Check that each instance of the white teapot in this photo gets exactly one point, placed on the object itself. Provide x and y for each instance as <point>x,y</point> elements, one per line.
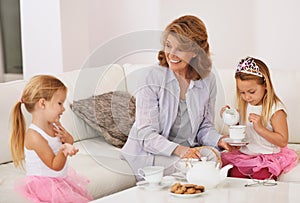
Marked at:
<point>230,116</point>
<point>207,173</point>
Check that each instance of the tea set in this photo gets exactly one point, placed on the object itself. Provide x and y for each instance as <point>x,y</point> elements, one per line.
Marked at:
<point>204,172</point>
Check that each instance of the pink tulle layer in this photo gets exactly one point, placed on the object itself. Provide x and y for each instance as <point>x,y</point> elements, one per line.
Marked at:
<point>55,190</point>
<point>276,163</point>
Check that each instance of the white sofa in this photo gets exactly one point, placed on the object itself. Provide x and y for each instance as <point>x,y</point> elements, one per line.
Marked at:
<point>100,161</point>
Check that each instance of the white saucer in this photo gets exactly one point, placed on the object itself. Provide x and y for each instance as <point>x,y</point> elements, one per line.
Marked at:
<point>237,143</point>
<point>179,176</point>
<point>166,181</point>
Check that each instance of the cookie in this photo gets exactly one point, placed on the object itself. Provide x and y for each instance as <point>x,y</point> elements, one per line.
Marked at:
<point>174,187</point>
<point>190,190</point>
<point>189,185</point>
<point>200,187</point>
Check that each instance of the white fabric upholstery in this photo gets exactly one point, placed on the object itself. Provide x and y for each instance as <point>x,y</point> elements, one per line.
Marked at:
<point>10,93</point>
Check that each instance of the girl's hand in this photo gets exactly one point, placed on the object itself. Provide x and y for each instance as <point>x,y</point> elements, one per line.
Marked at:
<point>224,109</point>
<point>255,119</point>
<point>187,152</point>
<point>60,132</point>
<point>68,149</point>
<point>225,145</point>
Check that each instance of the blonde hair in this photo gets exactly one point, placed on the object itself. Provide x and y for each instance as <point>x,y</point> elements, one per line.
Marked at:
<point>40,86</point>
<point>270,98</point>
<point>191,33</point>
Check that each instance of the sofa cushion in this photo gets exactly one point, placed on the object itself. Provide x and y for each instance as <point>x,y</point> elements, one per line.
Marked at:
<point>8,175</point>
<point>294,174</point>
<point>10,95</point>
<point>100,162</point>
<point>112,114</point>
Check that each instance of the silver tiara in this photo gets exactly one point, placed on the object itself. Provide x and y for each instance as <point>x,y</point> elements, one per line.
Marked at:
<point>248,66</point>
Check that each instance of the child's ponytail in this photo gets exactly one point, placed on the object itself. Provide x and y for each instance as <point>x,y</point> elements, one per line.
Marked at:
<point>17,136</point>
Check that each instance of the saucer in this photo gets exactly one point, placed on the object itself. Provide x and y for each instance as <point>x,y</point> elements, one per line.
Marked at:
<point>179,176</point>
<point>235,142</point>
<point>166,182</point>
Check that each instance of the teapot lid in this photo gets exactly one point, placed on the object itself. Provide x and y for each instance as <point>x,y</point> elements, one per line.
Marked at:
<point>207,163</point>
<point>203,158</point>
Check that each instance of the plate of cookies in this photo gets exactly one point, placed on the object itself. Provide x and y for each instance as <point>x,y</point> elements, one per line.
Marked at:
<point>186,190</point>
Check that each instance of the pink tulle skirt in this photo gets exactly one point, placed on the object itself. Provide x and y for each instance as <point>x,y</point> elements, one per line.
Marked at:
<point>276,163</point>
<point>71,188</point>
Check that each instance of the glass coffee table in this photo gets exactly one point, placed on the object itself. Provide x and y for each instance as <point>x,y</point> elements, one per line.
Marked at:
<point>231,190</point>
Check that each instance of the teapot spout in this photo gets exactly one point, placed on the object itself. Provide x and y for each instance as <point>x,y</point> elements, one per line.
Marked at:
<point>224,171</point>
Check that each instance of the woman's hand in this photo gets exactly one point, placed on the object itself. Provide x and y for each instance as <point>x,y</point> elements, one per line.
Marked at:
<point>225,145</point>
<point>224,109</point>
<point>187,152</point>
<point>60,132</point>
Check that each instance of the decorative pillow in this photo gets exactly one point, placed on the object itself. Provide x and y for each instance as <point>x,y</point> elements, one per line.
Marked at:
<point>112,114</point>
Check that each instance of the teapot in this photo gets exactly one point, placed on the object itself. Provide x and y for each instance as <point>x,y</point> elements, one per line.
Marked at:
<point>207,173</point>
<point>230,116</point>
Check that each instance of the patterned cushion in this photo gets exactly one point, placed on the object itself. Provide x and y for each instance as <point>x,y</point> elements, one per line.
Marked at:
<point>112,114</point>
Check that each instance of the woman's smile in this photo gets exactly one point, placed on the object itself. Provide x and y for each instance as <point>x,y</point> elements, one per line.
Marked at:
<point>175,61</point>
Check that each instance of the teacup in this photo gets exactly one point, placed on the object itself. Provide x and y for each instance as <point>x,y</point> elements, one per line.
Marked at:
<point>152,174</point>
<point>237,132</point>
<point>230,116</point>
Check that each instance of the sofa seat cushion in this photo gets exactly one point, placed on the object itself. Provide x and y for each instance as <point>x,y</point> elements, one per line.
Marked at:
<point>100,162</point>
<point>8,175</point>
<point>294,174</point>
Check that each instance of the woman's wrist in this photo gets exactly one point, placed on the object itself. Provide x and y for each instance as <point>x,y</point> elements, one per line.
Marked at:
<point>177,151</point>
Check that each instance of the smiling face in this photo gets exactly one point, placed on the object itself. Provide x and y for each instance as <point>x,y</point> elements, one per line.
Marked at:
<point>55,107</point>
<point>177,58</point>
<point>251,91</point>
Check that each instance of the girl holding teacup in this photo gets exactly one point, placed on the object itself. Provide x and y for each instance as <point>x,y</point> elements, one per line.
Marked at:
<point>264,114</point>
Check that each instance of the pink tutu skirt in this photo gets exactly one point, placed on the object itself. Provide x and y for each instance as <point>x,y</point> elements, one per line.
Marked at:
<point>276,163</point>
<point>71,188</point>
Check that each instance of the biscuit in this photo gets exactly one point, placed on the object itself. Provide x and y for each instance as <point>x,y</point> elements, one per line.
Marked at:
<point>189,185</point>
<point>174,187</point>
<point>191,190</point>
<point>200,187</point>
<point>180,191</point>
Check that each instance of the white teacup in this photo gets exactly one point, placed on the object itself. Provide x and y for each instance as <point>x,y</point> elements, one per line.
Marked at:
<point>237,132</point>
<point>230,116</point>
<point>152,174</point>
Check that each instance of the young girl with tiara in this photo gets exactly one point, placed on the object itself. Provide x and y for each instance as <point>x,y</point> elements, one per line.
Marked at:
<point>45,145</point>
<point>266,156</point>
